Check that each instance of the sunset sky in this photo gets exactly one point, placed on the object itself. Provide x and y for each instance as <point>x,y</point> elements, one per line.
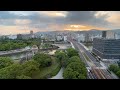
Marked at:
<point>14,22</point>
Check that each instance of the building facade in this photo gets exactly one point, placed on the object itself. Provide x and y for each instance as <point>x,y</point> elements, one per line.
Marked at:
<point>81,38</point>
<point>26,36</point>
<point>107,49</point>
<point>108,34</point>
<point>65,38</point>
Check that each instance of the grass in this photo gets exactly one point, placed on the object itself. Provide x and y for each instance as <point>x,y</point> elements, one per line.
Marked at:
<point>50,71</point>
<point>86,57</point>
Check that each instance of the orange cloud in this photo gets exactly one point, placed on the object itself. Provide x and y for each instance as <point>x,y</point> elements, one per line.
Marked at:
<point>114,19</point>
<point>81,27</point>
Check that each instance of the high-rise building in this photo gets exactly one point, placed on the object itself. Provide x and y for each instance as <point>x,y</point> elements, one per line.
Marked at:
<point>117,36</point>
<point>87,37</point>
<point>65,38</point>
<point>19,36</point>
<point>59,37</point>
<point>12,36</point>
<point>108,34</point>
<point>104,34</point>
<point>81,38</point>
<point>107,49</point>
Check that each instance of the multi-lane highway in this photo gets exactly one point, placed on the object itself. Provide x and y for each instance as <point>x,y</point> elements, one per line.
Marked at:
<point>96,70</point>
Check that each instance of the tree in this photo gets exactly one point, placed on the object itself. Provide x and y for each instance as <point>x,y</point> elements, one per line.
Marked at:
<point>72,52</point>
<point>75,70</point>
<point>118,63</point>
<point>5,61</point>
<point>23,77</point>
<point>43,59</point>
<point>11,72</point>
<point>114,68</point>
<point>30,68</point>
<point>118,73</point>
<point>62,57</point>
<point>74,59</point>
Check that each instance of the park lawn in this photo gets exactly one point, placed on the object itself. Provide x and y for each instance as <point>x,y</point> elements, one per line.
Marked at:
<point>48,71</point>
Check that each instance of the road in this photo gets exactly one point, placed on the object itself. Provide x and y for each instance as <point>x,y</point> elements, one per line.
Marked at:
<point>59,75</point>
<point>96,71</point>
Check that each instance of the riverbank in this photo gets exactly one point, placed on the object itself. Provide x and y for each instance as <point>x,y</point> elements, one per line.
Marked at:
<point>14,51</point>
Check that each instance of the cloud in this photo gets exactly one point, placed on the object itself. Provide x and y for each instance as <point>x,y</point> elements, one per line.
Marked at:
<point>60,20</point>
<point>86,18</point>
<point>22,22</point>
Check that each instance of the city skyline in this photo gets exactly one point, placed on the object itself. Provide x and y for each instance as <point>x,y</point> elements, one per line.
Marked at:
<point>15,22</point>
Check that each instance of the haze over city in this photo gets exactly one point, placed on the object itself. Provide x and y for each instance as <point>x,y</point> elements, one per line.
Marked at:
<point>15,22</point>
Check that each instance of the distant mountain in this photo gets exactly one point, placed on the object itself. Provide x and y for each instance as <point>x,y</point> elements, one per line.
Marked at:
<point>95,31</point>
<point>92,31</point>
<point>116,31</point>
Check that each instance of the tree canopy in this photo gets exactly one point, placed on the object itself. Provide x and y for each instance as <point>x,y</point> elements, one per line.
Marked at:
<point>74,59</point>
<point>5,61</point>
<point>72,52</point>
<point>43,59</point>
<point>17,71</point>
<point>30,68</point>
<point>8,44</point>
<point>10,72</point>
<point>62,57</point>
<point>114,68</point>
<point>75,70</point>
<point>23,77</point>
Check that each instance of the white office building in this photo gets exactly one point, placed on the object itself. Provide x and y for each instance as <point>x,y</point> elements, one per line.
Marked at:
<point>65,38</point>
<point>59,37</point>
<point>12,36</point>
<point>81,38</point>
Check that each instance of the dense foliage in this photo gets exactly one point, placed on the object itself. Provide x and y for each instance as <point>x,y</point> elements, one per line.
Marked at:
<point>74,59</point>
<point>5,61</point>
<point>72,52</point>
<point>62,57</point>
<point>23,77</point>
<point>75,69</point>
<point>115,69</point>
<point>15,71</point>
<point>11,46</point>
<point>43,59</point>
<point>11,72</point>
<point>6,45</point>
<point>30,68</point>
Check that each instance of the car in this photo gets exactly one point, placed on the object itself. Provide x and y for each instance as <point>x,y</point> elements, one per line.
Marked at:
<point>88,70</point>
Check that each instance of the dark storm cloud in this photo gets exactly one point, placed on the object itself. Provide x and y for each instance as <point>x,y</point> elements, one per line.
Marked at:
<point>73,17</point>
<point>43,21</point>
<point>86,17</point>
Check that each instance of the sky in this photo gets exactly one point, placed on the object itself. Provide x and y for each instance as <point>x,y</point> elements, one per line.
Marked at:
<point>18,22</point>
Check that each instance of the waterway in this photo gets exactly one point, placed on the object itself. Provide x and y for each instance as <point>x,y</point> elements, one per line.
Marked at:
<point>25,54</point>
<point>17,56</point>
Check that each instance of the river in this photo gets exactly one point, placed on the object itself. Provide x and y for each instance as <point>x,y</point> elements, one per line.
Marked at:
<point>17,56</point>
